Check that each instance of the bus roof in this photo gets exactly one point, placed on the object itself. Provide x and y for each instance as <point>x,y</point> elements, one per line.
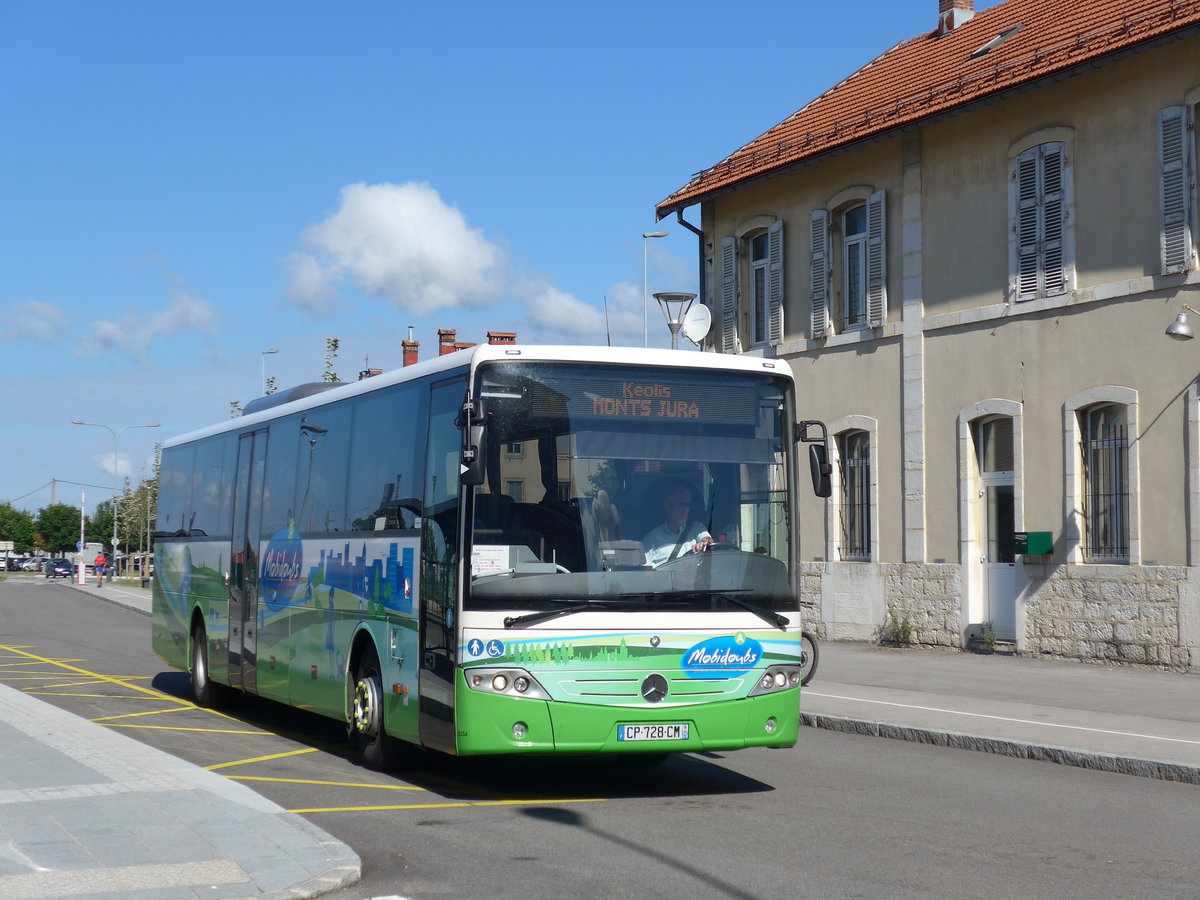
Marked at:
<point>470,358</point>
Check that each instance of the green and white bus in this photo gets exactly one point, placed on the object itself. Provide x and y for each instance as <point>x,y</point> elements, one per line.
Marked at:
<point>451,555</point>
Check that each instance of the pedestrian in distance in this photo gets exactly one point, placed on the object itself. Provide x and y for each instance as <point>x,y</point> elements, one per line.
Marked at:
<point>101,563</point>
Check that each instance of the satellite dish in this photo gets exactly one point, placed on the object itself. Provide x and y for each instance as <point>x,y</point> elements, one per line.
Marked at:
<point>696,324</point>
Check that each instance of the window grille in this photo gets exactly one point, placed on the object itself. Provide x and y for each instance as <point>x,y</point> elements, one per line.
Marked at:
<point>1105,449</point>
<point>856,491</point>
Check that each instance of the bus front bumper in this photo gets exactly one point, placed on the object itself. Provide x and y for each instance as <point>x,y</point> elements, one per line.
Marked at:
<point>489,723</point>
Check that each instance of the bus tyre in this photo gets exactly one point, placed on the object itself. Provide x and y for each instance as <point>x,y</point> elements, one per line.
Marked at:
<point>204,692</point>
<point>366,728</point>
<point>809,654</point>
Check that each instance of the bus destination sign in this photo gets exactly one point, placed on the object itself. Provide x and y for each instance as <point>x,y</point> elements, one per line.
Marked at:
<point>667,400</point>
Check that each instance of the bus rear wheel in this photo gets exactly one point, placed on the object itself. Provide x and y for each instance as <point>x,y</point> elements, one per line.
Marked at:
<point>366,726</point>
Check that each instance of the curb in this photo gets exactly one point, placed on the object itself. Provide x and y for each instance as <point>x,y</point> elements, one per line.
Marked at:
<point>1063,756</point>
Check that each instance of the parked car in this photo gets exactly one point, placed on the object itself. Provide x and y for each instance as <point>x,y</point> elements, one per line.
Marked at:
<point>33,564</point>
<point>58,568</point>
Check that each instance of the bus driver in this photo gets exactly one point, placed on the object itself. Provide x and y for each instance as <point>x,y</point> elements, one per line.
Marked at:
<point>678,530</point>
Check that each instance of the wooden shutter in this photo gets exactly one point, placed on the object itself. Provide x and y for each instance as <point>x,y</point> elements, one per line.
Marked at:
<point>1041,189</point>
<point>775,283</point>
<point>876,260</point>
<point>1054,278</point>
<point>818,231</point>
<point>1176,180</point>
<point>728,295</point>
<point>1026,225</point>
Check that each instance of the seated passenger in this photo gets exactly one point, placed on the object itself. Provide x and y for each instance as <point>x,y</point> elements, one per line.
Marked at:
<point>679,533</point>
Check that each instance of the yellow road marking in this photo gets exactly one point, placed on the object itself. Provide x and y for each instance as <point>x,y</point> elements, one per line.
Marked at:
<point>133,715</point>
<point>47,693</point>
<point>84,672</point>
<point>258,759</point>
<point>349,784</point>
<point>182,728</point>
<point>35,660</point>
<point>453,805</point>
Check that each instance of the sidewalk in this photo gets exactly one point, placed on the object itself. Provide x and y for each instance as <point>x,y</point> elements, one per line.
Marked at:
<point>1135,721</point>
<point>85,810</point>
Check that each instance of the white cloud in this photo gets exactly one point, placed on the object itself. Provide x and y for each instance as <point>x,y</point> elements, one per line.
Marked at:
<point>32,320</point>
<point>401,242</point>
<point>123,465</point>
<point>133,333</point>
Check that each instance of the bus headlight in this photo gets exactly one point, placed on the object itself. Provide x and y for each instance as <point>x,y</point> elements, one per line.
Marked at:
<point>776,678</point>
<point>509,682</point>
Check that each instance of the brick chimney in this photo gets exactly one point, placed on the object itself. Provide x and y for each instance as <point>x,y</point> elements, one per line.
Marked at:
<point>446,341</point>
<point>502,337</point>
<point>410,348</point>
<point>952,13</point>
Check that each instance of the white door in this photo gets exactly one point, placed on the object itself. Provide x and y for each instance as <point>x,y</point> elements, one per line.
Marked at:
<point>997,516</point>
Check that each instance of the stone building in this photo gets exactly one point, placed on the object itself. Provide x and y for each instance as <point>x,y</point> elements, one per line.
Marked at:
<point>968,251</point>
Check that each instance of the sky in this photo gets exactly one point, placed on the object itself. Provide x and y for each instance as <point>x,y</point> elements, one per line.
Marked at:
<point>186,185</point>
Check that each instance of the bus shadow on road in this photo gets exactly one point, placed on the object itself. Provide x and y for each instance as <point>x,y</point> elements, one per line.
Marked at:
<point>497,779</point>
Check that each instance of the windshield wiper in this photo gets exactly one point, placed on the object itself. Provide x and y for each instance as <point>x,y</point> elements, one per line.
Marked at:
<point>546,614</point>
<point>573,606</point>
<point>762,612</point>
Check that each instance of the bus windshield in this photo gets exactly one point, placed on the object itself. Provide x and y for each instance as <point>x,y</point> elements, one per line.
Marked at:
<point>654,488</point>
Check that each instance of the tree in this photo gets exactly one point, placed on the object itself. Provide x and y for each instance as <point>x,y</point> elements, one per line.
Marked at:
<point>331,350</point>
<point>100,523</point>
<point>58,528</point>
<point>16,525</point>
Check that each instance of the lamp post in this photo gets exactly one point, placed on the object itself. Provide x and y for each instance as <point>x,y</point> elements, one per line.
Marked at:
<point>674,306</point>
<point>646,284</point>
<point>116,441</point>
<point>264,354</point>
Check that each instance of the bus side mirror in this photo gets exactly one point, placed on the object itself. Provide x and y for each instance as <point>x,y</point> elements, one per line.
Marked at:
<point>471,466</point>
<point>818,464</point>
<point>818,455</point>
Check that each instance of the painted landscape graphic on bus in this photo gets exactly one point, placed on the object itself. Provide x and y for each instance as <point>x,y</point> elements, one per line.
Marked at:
<point>715,657</point>
<point>380,574</point>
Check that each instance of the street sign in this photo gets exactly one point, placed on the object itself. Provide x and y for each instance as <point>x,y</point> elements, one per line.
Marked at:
<point>6,546</point>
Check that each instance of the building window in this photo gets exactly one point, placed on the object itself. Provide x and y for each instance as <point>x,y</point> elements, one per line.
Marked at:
<point>1105,450</point>
<point>854,452</point>
<point>854,266</point>
<point>1041,256</point>
<point>516,490</point>
<point>514,449</point>
<point>857,297</point>
<point>751,289</point>
<point>759,265</point>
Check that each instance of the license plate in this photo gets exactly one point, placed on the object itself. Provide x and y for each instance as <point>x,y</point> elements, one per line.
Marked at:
<point>677,732</point>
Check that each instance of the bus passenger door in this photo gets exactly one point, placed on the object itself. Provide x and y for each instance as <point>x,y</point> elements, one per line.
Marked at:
<point>439,560</point>
<point>243,570</point>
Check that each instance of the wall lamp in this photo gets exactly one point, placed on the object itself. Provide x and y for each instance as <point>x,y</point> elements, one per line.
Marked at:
<point>1180,329</point>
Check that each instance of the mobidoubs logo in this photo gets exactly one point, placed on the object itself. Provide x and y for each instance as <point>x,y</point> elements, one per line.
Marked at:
<point>282,569</point>
<point>721,657</point>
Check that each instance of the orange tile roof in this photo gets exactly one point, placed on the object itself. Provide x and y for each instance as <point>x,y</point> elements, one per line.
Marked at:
<point>930,75</point>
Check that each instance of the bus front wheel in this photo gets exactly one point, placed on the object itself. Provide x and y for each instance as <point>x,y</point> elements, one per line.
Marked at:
<point>205,692</point>
<point>366,727</point>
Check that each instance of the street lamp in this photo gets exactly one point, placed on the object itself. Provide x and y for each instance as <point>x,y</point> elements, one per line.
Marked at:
<point>116,436</point>
<point>264,354</point>
<point>674,306</point>
<point>646,284</point>
<point>1180,329</point>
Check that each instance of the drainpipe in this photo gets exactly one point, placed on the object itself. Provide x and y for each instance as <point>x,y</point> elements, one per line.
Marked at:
<point>700,255</point>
